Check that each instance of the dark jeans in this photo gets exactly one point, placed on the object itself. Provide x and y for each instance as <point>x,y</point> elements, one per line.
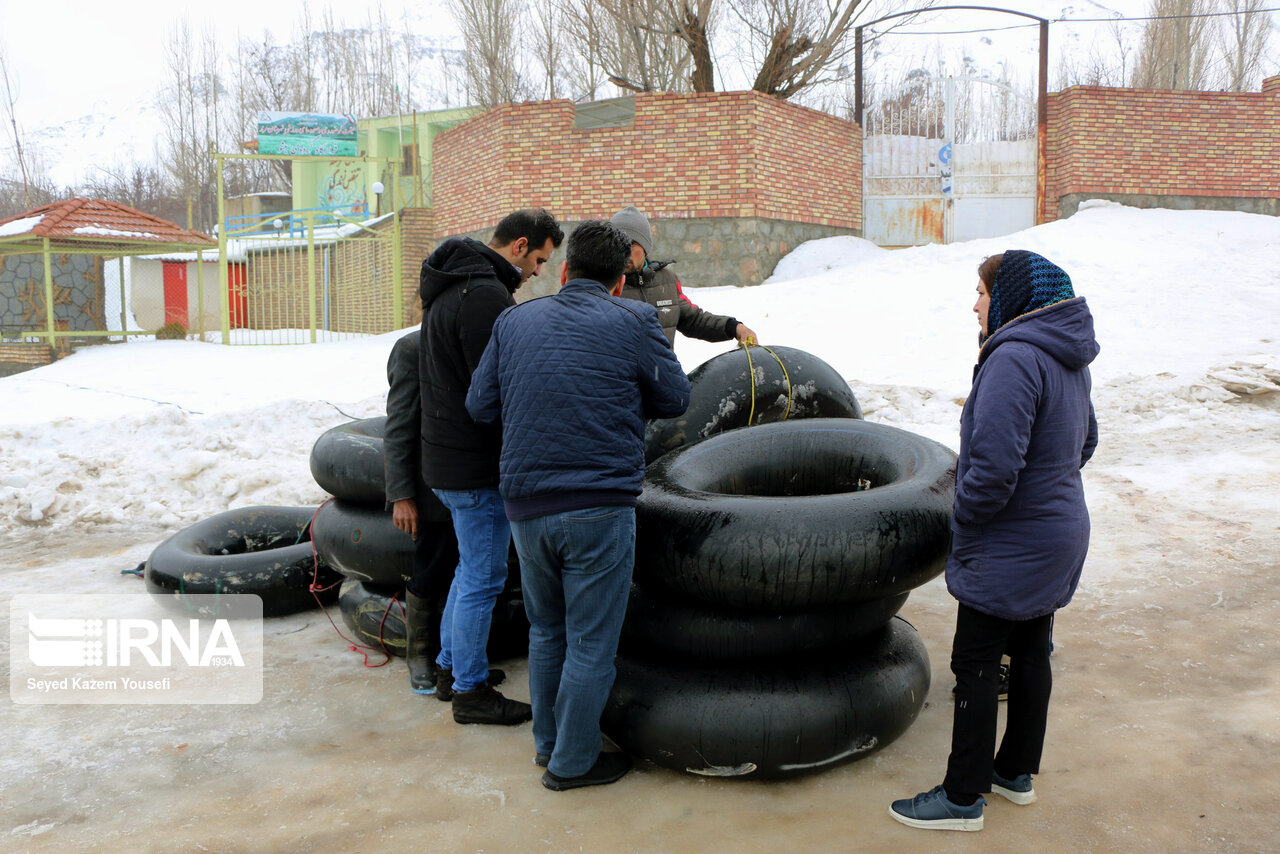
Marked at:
<point>979,642</point>
<point>575,570</point>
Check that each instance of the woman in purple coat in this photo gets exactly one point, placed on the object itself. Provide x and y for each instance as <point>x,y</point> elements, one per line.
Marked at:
<point>1020,531</point>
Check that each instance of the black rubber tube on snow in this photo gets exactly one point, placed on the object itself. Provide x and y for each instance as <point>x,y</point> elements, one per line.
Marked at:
<point>262,550</point>
<point>665,627</point>
<point>346,461</point>
<point>797,515</point>
<point>378,622</point>
<point>771,723</point>
<point>363,543</point>
<point>788,384</point>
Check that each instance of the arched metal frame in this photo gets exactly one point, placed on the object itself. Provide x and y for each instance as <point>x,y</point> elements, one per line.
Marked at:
<point>1042,88</point>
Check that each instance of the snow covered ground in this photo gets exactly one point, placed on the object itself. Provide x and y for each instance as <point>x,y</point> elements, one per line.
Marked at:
<point>152,436</point>
<point>1164,734</point>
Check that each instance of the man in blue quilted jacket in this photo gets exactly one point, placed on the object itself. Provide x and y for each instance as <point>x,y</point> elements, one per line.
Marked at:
<point>572,378</point>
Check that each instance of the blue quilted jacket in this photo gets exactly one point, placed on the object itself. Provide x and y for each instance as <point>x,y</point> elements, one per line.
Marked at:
<point>573,377</point>
<point>1021,527</point>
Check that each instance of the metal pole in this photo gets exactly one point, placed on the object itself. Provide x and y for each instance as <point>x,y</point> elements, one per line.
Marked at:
<point>48,293</point>
<point>200,290</point>
<point>311,277</point>
<point>1042,126</point>
<point>124,308</point>
<point>224,283</point>
<point>857,76</point>
<point>397,253</point>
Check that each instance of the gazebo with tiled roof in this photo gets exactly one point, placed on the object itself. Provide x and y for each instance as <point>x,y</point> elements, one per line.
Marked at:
<point>85,227</point>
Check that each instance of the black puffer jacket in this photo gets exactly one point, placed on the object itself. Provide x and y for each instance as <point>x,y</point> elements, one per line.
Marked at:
<point>661,289</point>
<point>464,286</point>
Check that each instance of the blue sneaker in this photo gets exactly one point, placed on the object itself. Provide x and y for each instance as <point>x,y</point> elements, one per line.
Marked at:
<point>1017,790</point>
<point>931,810</point>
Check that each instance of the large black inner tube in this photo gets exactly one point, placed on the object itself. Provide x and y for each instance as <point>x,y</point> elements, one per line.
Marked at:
<point>797,515</point>
<point>771,722</point>
<point>347,462</point>
<point>363,543</point>
<point>751,386</point>
<point>661,627</point>
<point>263,550</point>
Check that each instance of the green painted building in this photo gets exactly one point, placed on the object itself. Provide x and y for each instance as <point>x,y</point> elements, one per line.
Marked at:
<point>396,154</point>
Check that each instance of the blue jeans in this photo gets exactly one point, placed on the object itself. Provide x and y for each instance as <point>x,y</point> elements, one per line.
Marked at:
<point>484,538</point>
<point>575,575</point>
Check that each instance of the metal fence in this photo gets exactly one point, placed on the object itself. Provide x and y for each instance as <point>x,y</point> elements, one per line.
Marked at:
<point>313,282</point>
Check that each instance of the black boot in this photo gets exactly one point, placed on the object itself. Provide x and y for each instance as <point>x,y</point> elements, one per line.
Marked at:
<point>422,642</point>
<point>486,706</point>
<point>444,682</point>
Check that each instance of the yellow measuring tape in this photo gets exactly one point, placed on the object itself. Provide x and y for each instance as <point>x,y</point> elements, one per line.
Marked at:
<point>752,369</point>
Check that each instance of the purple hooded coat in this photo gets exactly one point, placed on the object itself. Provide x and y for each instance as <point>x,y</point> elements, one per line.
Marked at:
<point>1021,527</point>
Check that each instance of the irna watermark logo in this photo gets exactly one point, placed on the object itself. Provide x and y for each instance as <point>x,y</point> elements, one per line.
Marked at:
<point>135,648</point>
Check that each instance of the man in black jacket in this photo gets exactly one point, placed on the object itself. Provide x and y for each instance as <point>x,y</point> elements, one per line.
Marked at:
<point>418,512</point>
<point>465,285</point>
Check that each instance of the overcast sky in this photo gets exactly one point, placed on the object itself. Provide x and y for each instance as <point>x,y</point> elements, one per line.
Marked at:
<point>67,57</point>
<point>70,58</point>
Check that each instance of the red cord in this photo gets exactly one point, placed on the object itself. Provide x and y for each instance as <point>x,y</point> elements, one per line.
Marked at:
<point>316,589</point>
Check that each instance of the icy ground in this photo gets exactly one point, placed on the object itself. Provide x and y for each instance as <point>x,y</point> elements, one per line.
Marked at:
<point>1163,736</point>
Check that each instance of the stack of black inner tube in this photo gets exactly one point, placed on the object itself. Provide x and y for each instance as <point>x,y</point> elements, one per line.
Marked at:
<point>761,638</point>
<point>354,533</point>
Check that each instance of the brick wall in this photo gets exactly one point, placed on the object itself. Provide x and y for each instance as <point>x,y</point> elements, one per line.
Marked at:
<point>728,154</point>
<point>417,237</point>
<point>1166,147</point>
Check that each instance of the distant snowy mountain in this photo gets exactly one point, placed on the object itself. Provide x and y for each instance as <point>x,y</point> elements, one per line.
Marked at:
<point>79,149</point>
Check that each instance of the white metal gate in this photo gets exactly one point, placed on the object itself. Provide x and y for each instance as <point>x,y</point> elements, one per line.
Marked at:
<point>948,160</point>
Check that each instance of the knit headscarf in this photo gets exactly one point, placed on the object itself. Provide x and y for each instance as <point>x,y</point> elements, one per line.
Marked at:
<point>1025,282</point>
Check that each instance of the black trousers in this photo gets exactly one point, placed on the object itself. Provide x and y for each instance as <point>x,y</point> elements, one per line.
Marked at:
<point>435,556</point>
<point>980,641</point>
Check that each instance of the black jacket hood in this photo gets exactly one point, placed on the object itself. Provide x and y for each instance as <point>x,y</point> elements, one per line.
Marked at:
<point>459,259</point>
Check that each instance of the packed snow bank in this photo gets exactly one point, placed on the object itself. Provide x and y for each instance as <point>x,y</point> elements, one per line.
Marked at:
<point>148,437</point>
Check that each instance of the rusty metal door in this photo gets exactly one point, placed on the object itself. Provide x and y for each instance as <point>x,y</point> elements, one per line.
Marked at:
<point>948,160</point>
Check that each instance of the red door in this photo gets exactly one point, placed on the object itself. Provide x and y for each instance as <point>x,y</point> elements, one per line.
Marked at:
<point>237,299</point>
<point>175,293</point>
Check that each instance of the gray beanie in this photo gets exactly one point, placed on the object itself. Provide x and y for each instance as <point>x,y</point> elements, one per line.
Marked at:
<point>632,223</point>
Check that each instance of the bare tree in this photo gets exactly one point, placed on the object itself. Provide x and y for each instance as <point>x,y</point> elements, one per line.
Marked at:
<point>140,186</point>
<point>11,119</point>
<point>549,53</point>
<point>1100,66</point>
<point>19,194</point>
<point>1176,46</point>
<point>188,104</point>
<point>587,28</point>
<point>798,44</point>
<point>493,72</point>
<point>654,45</point>
<point>1244,36</point>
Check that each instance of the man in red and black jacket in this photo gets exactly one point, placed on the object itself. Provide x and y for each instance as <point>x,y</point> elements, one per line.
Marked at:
<point>655,283</point>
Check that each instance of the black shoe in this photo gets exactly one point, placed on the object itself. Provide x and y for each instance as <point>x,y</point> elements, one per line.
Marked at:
<point>422,644</point>
<point>486,706</point>
<point>609,768</point>
<point>444,682</point>
<point>541,759</point>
